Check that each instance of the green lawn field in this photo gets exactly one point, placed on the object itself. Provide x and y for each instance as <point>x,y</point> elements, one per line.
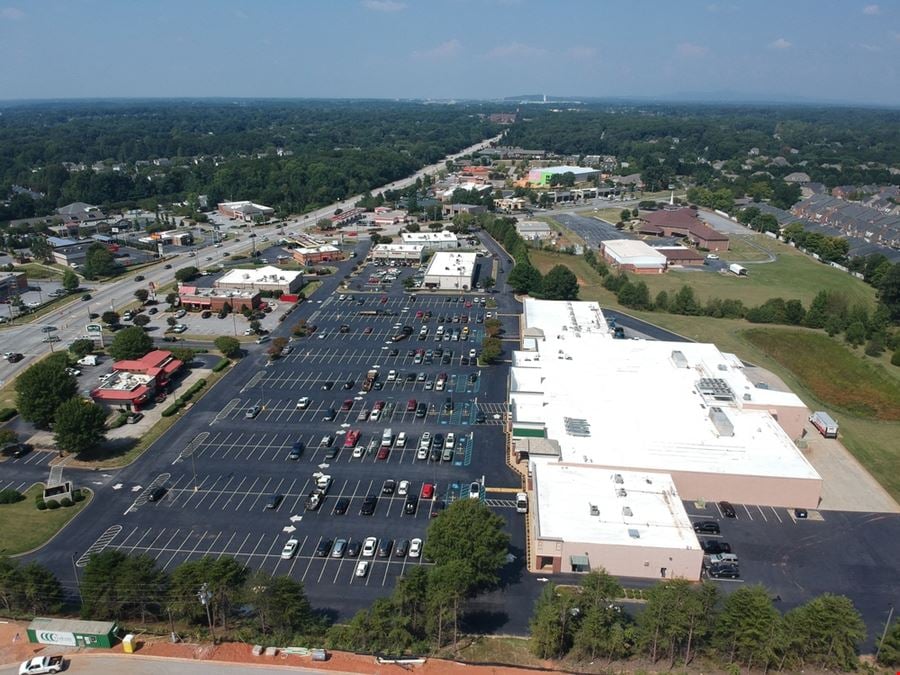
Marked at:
<point>25,528</point>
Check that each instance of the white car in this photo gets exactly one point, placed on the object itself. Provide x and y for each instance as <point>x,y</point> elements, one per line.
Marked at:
<point>362,568</point>
<point>374,415</point>
<point>415,548</point>
<point>392,376</point>
<point>475,490</point>
<point>73,371</point>
<point>403,488</point>
<point>422,453</point>
<point>472,353</point>
<point>290,549</point>
<point>401,440</point>
<point>303,403</point>
<point>369,546</point>
<point>358,451</point>
<point>179,328</point>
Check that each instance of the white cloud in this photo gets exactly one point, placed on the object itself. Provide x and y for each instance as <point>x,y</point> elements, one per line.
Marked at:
<point>515,50</point>
<point>11,13</point>
<point>581,53</point>
<point>871,10</point>
<point>445,50</point>
<point>869,48</point>
<point>384,5</point>
<point>690,49</point>
<point>780,43</point>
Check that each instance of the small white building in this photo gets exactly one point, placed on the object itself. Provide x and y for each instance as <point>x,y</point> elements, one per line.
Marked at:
<point>450,271</point>
<point>633,524</point>
<point>269,278</point>
<point>631,255</point>
<point>408,253</point>
<point>432,241</point>
<point>532,230</point>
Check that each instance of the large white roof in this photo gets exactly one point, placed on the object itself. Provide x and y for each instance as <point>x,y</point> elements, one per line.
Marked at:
<point>605,506</point>
<point>647,404</point>
<point>426,237</point>
<point>451,264</point>
<point>633,252</point>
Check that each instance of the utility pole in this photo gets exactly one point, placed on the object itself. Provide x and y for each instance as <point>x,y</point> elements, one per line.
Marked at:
<point>205,596</point>
<point>77,582</point>
<point>884,632</point>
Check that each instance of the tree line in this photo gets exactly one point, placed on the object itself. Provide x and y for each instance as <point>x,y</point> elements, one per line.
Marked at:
<point>334,149</point>
<point>680,622</point>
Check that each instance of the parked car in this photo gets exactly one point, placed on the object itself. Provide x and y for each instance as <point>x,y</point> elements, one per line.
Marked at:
<point>252,411</point>
<point>415,548</point>
<point>727,510</point>
<point>714,546</point>
<point>362,568</point>
<point>369,546</point>
<point>290,549</point>
<point>368,505</point>
<point>340,508</point>
<point>706,526</point>
<point>474,490</point>
<point>273,501</point>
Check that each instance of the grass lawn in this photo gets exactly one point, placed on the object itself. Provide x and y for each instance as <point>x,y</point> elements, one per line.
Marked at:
<point>509,650</point>
<point>25,528</point>
<point>832,372</point>
<point>792,275</point>
<point>747,248</point>
<point>38,271</point>
<point>310,288</point>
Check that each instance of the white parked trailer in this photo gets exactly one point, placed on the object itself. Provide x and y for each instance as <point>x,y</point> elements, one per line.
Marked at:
<point>737,269</point>
<point>824,423</point>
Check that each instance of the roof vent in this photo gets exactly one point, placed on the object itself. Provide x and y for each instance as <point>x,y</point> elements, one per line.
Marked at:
<point>633,533</point>
<point>626,511</point>
<point>595,510</point>
<point>679,359</point>
<point>723,367</point>
<point>618,479</point>
<point>621,492</point>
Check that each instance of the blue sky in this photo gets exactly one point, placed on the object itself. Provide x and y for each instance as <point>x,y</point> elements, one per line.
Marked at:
<point>837,50</point>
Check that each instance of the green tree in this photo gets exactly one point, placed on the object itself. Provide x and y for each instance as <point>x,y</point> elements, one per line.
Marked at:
<point>492,327</point>
<point>552,623</point>
<point>280,605</point>
<point>560,283</point>
<point>524,278</point>
<point>888,652</point>
<point>110,318</point>
<point>856,333</point>
<point>8,437</point>
<point>141,320</point>
<point>41,592</point>
<point>42,388</point>
<point>183,354</point>
<point>685,302</point>
<point>675,620</point>
<point>596,633</point>
<point>186,274</point>
<point>662,301</point>
<point>171,298</point>
<point>625,215</point>
<point>817,314</point>
<point>141,295</point>
<point>889,291</point>
<point>469,532</point>
<point>130,343</point>
<point>825,632</point>
<point>79,425</point>
<point>99,262</point>
<point>81,347</point>
<point>748,629</point>
<point>229,346</point>
<point>100,585</point>
<point>70,281</point>
<point>491,349</point>
<point>448,584</point>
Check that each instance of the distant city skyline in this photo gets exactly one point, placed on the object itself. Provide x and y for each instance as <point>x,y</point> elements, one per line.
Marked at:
<point>805,50</point>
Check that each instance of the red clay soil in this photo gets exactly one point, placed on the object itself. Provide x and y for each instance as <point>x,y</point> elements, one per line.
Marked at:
<point>13,651</point>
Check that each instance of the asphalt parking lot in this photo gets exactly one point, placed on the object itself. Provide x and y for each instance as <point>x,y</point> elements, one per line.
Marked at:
<point>219,468</point>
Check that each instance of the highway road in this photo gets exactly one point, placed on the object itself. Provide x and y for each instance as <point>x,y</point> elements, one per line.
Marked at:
<point>70,320</point>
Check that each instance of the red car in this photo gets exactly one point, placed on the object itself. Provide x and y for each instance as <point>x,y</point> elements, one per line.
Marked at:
<point>367,330</point>
<point>428,491</point>
<point>352,437</point>
<point>383,299</point>
<point>419,314</point>
<point>347,404</point>
<point>379,405</point>
<point>411,405</point>
<point>383,452</point>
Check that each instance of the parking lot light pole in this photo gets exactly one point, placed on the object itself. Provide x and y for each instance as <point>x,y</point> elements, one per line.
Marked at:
<point>205,596</point>
<point>884,632</point>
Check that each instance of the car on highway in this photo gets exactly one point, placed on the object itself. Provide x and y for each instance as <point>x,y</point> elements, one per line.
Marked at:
<point>290,549</point>
<point>14,357</point>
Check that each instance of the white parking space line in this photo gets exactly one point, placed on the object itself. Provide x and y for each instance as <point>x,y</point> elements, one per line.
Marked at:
<point>237,553</point>
<point>762,513</point>
<point>268,553</point>
<point>775,511</point>
<point>309,564</point>
<point>749,515</point>
<point>177,550</point>
<point>224,549</point>
<point>253,552</point>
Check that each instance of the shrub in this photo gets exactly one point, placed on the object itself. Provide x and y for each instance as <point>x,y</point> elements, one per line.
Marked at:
<point>119,421</point>
<point>221,365</point>
<point>52,505</point>
<point>171,410</point>
<point>10,496</point>
<point>7,414</point>
<point>895,359</point>
<point>41,505</point>
<point>66,502</point>
<point>78,495</point>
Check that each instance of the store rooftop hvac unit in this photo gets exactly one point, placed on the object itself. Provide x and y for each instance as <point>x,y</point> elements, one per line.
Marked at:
<point>633,533</point>
<point>720,421</point>
<point>716,388</point>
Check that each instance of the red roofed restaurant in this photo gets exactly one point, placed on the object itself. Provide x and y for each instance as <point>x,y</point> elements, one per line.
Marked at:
<point>134,382</point>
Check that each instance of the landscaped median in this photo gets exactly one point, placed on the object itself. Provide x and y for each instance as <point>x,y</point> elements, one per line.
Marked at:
<point>26,527</point>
